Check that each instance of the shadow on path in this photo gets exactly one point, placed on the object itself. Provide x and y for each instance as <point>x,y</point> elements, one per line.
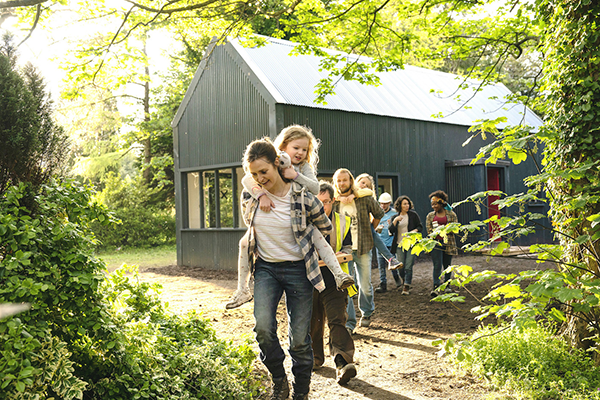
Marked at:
<point>362,387</point>
<point>412,346</point>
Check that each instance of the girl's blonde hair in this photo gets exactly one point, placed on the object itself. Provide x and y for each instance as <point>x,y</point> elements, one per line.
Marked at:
<point>294,132</point>
<point>370,179</point>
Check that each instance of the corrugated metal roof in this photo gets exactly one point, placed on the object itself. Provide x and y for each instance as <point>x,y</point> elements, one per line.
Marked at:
<point>411,93</point>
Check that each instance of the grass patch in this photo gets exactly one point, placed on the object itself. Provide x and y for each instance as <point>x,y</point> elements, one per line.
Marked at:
<point>532,364</point>
<point>142,257</point>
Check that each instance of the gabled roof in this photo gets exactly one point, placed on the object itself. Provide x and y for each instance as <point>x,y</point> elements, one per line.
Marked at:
<point>411,93</point>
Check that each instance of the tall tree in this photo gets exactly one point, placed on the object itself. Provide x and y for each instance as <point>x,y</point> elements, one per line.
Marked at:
<point>32,145</point>
<point>572,88</point>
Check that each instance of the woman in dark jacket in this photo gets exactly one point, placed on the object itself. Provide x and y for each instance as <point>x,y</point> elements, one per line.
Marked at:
<point>406,221</point>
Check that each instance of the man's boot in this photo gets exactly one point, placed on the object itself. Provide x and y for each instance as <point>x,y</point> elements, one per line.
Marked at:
<point>382,288</point>
<point>281,389</point>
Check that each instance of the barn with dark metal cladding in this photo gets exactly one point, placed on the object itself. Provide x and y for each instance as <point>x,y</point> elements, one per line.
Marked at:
<point>407,132</point>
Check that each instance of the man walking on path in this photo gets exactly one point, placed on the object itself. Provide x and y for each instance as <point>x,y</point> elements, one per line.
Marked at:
<point>360,210</point>
<point>385,201</point>
<point>331,303</point>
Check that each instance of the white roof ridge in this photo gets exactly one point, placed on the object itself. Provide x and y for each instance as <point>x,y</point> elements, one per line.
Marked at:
<point>279,98</point>
<point>411,92</point>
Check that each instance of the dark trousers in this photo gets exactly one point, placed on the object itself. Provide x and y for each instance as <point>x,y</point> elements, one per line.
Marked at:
<point>331,305</point>
<point>441,261</point>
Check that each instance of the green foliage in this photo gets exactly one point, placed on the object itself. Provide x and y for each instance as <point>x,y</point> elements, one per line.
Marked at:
<point>170,356</point>
<point>143,257</point>
<point>529,363</point>
<point>32,145</point>
<point>45,260</point>
<point>143,220</point>
<point>92,336</point>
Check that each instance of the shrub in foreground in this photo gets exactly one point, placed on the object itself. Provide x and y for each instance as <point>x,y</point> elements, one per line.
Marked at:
<point>531,364</point>
<point>92,336</point>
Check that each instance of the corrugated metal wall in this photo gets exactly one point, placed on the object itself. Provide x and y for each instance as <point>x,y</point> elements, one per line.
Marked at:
<point>461,182</point>
<point>225,113</point>
<point>417,150</point>
<point>210,249</point>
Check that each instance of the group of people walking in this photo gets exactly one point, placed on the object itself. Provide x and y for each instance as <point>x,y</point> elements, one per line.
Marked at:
<point>301,235</point>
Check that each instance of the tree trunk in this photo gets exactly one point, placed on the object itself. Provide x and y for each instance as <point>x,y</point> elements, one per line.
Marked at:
<point>572,48</point>
<point>147,143</point>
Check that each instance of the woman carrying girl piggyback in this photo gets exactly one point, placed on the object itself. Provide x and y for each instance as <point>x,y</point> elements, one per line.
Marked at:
<point>298,158</point>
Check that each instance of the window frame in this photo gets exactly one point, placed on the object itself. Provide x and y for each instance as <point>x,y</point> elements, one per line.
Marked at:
<point>237,220</point>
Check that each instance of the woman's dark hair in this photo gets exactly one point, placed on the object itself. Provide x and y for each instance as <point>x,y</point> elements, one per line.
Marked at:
<point>261,148</point>
<point>398,203</point>
<point>441,195</point>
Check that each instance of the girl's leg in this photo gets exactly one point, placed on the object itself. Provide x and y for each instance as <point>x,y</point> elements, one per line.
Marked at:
<point>382,248</point>
<point>243,264</point>
<point>242,294</point>
<point>384,251</point>
<point>342,279</point>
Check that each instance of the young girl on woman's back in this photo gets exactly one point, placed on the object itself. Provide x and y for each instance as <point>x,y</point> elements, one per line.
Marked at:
<point>298,159</point>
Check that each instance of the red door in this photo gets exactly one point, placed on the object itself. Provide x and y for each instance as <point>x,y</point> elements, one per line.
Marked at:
<point>493,183</point>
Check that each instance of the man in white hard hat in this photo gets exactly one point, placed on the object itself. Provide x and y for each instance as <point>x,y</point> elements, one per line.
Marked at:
<point>385,201</point>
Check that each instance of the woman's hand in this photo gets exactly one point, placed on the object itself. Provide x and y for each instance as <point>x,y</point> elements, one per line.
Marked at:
<point>265,203</point>
<point>290,173</point>
<point>398,219</point>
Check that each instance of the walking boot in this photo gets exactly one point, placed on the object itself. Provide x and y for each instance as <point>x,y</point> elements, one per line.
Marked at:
<point>281,389</point>
<point>382,288</point>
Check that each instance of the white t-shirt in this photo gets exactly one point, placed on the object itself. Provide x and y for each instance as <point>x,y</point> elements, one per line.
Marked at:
<point>402,228</point>
<point>274,235</point>
<point>350,210</point>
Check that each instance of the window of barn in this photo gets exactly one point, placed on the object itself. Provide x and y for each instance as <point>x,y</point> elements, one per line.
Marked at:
<point>213,198</point>
<point>193,200</point>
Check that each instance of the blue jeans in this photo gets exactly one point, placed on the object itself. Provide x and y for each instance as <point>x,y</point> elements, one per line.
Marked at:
<point>380,246</point>
<point>362,275</point>
<point>408,259</point>
<point>383,268</point>
<point>271,280</point>
<point>441,261</point>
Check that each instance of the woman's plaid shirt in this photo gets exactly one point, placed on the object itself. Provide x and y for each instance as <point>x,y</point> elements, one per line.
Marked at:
<point>306,212</point>
<point>449,244</point>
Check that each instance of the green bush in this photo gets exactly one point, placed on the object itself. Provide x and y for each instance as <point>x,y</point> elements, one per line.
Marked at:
<point>92,336</point>
<point>143,223</point>
<point>531,364</point>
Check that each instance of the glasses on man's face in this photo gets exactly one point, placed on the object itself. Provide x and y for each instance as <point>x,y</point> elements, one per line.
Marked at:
<point>325,202</point>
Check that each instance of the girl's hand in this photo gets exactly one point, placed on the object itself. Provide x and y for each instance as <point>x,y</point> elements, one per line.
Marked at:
<point>398,219</point>
<point>265,203</point>
<point>290,173</point>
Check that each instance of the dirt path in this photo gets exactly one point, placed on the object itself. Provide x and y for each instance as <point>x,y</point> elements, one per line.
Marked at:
<point>394,356</point>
